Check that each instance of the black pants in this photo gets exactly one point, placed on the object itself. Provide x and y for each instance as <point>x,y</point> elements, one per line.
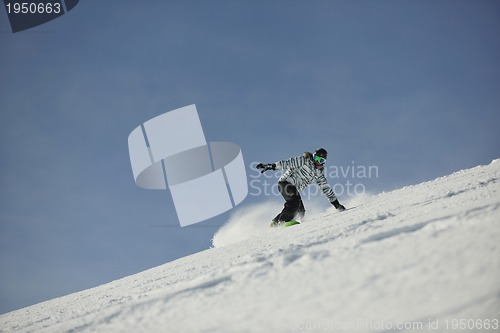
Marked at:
<point>294,207</point>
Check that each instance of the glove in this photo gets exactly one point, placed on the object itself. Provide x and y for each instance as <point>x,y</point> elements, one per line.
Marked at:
<point>338,206</point>
<point>266,167</point>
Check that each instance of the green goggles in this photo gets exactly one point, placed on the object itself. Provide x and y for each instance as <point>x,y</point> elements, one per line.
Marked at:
<point>319,159</point>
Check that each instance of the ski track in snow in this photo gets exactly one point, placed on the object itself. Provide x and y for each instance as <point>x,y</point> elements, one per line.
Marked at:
<point>427,252</point>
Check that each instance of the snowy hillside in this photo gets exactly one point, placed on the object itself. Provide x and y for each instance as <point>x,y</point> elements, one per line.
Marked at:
<point>421,258</point>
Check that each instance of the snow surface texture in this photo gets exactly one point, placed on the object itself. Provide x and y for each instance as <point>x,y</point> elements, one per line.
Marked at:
<point>414,259</point>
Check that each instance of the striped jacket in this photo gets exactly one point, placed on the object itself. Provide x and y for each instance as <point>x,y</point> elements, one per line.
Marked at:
<point>301,172</point>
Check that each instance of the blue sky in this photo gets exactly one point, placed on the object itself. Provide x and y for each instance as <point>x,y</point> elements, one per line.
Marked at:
<point>412,87</point>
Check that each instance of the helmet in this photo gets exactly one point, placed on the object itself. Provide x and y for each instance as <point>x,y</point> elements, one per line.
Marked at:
<point>320,155</point>
<point>321,152</point>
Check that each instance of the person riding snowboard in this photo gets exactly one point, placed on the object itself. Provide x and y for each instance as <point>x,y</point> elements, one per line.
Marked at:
<point>301,172</point>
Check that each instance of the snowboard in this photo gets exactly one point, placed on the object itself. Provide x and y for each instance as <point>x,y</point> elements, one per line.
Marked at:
<point>284,224</point>
<point>290,223</point>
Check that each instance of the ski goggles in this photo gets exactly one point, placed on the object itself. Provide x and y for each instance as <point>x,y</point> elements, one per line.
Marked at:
<point>319,159</point>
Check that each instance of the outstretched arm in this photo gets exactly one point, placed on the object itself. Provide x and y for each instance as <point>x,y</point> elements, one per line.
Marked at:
<point>291,163</point>
<point>265,167</point>
<point>328,191</point>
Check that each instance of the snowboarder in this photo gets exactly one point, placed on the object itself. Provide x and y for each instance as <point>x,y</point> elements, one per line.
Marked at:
<point>301,172</point>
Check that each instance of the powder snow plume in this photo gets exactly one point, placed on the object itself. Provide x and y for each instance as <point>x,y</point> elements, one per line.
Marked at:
<point>246,222</point>
<point>255,219</point>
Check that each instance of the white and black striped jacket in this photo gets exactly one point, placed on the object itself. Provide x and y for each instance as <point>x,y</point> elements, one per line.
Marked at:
<point>302,172</point>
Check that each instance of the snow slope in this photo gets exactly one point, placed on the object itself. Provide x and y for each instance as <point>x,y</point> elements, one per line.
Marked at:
<point>421,258</point>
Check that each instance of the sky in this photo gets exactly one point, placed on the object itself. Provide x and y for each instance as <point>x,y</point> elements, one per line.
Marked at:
<point>411,88</point>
